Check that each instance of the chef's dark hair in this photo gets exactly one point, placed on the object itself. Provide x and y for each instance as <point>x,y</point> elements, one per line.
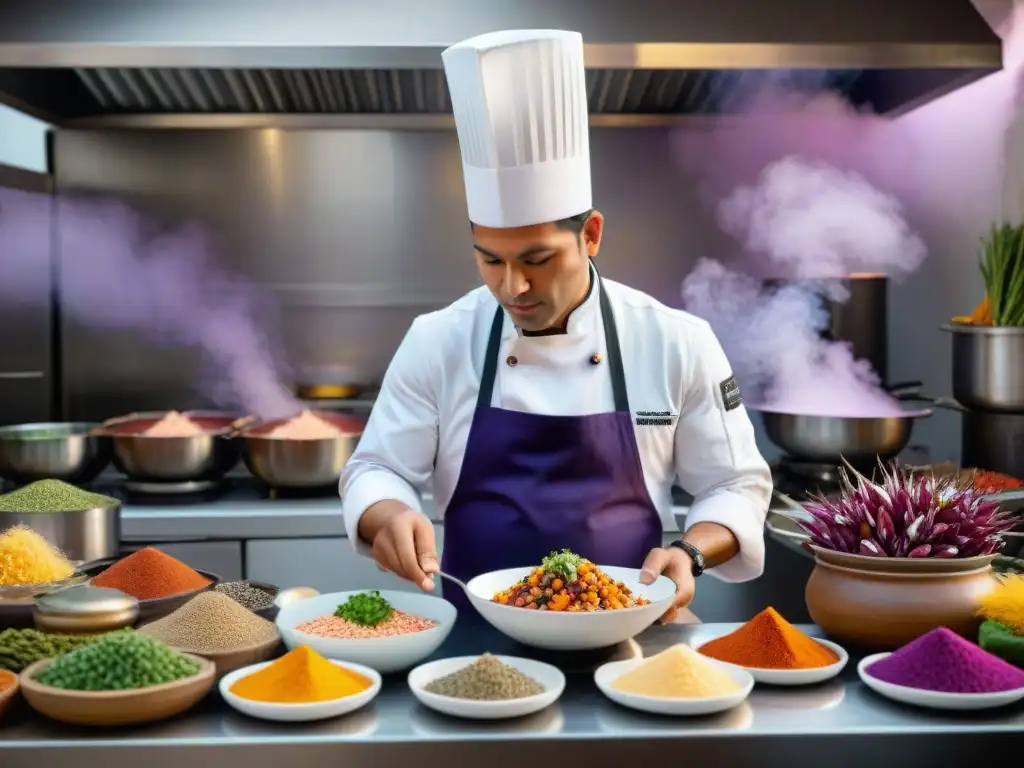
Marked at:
<point>572,223</point>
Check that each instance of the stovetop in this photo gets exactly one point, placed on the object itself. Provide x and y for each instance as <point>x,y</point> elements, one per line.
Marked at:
<point>800,479</point>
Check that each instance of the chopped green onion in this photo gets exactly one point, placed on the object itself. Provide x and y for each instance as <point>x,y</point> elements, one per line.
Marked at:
<point>367,609</point>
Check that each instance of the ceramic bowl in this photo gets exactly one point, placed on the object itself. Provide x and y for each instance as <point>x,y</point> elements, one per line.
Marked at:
<point>296,713</point>
<point>876,608</point>
<point>934,699</point>
<point>563,631</point>
<point>607,674</point>
<point>802,676</point>
<point>140,705</point>
<point>384,654</point>
<point>550,678</point>
<point>8,691</point>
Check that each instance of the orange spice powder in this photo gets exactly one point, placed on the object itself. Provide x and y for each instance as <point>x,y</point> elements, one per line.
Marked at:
<point>150,573</point>
<point>768,641</point>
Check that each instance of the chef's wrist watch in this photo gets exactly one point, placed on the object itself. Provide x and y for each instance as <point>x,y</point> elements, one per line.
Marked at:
<point>696,556</point>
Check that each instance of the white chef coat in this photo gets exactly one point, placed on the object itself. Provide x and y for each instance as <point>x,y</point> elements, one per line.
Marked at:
<point>674,368</point>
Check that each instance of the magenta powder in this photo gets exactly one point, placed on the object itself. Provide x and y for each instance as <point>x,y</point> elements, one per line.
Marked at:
<point>943,661</point>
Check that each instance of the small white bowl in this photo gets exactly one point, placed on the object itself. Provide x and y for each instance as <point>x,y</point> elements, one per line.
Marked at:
<point>299,713</point>
<point>608,673</point>
<point>934,699</point>
<point>384,654</point>
<point>564,631</point>
<point>549,677</point>
<point>801,676</point>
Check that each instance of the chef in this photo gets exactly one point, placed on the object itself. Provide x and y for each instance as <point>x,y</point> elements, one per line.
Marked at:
<point>551,408</point>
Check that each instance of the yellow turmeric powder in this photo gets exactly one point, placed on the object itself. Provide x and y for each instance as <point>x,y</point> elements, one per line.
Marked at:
<point>301,676</point>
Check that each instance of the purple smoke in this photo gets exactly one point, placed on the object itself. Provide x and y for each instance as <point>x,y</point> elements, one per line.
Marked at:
<point>805,187</point>
<point>167,287</point>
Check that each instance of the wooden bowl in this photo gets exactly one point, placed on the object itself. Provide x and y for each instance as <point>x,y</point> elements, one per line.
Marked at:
<point>140,705</point>
<point>229,661</point>
<point>9,693</point>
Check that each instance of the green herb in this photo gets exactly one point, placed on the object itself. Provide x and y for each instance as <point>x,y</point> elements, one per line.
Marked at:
<point>563,563</point>
<point>22,647</point>
<point>52,496</point>
<point>1002,269</point>
<point>367,609</point>
<point>118,661</point>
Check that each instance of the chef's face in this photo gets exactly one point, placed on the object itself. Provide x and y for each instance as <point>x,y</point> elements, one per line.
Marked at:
<point>538,273</point>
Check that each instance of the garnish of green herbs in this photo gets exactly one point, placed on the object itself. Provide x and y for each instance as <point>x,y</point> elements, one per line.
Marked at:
<point>563,563</point>
<point>367,609</point>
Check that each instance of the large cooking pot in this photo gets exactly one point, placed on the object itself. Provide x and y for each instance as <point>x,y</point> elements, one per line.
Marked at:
<point>155,459</point>
<point>830,439</point>
<point>284,463</point>
<point>988,367</point>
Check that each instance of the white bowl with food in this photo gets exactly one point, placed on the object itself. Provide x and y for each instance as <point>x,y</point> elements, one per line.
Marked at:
<point>569,621</point>
<point>415,628</point>
<point>437,685</point>
<point>920,697</point>
<point>606,675</point>
<point>300,713</point>
<point>811,676</point>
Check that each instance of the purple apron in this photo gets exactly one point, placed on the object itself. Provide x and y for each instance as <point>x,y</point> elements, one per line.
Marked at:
<point>531,484</point>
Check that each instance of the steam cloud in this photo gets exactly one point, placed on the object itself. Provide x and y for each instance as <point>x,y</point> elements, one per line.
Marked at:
<point>167,287</point>
<point>810,198</point>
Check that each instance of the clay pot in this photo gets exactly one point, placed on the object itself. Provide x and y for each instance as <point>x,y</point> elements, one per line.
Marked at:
<point>880,604</point>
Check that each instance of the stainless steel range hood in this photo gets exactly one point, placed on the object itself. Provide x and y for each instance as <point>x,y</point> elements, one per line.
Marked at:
<point>159,62</point>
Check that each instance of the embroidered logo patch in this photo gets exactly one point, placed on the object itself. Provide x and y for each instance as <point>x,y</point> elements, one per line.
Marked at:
<point>655,418</point>
<point>731,396</point>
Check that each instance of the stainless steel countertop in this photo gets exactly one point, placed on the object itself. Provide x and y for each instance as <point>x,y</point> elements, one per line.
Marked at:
<point>837,723</point>
<point>231,519</point>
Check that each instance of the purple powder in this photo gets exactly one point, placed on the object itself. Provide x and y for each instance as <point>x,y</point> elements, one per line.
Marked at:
<point>943,661</point>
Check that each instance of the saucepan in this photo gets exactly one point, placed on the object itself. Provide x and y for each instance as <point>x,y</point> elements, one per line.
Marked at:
<point>155,459</point>
<point>297,463</point>
<point>830,439</point>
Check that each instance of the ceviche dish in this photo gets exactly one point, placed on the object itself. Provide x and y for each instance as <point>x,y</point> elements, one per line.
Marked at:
<point>567,582</point>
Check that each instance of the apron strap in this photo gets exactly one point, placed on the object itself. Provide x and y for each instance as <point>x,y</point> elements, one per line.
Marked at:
<point>611,340</point>
<point>483,398</point>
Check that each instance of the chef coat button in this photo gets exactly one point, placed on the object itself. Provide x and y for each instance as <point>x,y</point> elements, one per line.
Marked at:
<point>595,359</point>
<point>512,360</point>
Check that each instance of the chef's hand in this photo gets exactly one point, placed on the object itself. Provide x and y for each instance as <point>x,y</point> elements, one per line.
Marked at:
<point>676,565</point>
<point>402,541</point>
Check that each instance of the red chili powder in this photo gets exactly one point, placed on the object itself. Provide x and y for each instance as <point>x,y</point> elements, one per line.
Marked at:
<point>149,573</point>
<point>994,482</point>
<point>943,661</point>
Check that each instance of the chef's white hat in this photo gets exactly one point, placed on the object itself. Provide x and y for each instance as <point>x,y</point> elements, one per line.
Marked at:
<point>520,104</point>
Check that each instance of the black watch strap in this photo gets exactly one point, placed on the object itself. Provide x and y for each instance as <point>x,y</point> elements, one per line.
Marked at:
<point>696,556</point>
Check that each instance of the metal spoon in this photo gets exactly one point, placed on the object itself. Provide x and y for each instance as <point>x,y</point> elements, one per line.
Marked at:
<point>454,580</point>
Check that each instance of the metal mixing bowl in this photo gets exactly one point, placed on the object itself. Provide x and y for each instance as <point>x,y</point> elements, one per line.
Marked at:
<point>283,463</point>
<point>81,535</point>
<point>173,459</point>
<point>59,450</point>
